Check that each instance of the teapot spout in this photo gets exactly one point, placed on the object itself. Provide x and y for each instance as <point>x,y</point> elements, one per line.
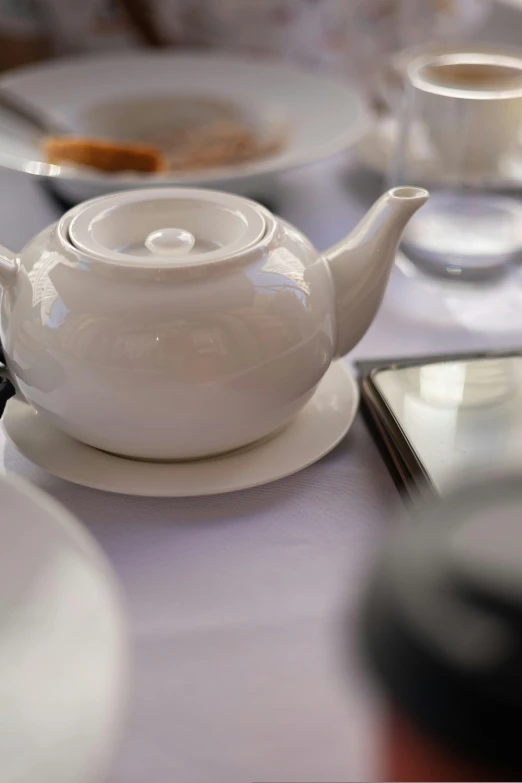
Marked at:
<point>361,263</point>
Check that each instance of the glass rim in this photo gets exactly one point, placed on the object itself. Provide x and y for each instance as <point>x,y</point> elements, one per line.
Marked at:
<point>423,84</point>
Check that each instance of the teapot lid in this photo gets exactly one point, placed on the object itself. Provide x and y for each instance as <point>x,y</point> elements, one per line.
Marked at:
<point>166,226</point>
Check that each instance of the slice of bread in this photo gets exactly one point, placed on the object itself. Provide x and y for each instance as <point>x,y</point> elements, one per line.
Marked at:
<point>104,155</point>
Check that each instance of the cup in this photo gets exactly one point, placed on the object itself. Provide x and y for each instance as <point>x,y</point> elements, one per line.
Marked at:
<point>472,105</point>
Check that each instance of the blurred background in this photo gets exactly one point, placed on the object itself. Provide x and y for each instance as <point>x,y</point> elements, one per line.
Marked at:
<point>353,38</point>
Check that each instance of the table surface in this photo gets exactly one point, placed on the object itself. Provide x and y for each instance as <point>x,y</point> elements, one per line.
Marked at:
<point>243,607</point>
<point>236,602</point>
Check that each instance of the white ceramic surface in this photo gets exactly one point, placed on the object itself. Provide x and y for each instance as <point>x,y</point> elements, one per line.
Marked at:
<point>132,228</point>
<point>63,645</point>
<point>187,356</point>
<point>315,431</point>
<point>318,115</point>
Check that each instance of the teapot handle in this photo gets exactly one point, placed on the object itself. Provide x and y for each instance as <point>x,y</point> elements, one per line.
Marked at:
<point>8,270</point>
<point>8,266</point>
<point>4,372</point>
<point>5,393</point>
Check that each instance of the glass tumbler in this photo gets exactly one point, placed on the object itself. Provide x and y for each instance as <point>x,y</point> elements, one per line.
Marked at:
<point>459,137</point>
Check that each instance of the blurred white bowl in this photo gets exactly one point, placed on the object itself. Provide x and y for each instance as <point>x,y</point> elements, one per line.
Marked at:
<point>321,115</point>
<point>63,645</point>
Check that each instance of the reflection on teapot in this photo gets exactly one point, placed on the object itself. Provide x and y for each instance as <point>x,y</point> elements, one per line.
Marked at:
<point>202,348</point>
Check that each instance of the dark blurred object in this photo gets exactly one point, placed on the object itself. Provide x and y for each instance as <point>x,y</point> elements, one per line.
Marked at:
<point>6,388</point>
<point>141,14</point>
<point>442,631</point>
<point>23,33</point>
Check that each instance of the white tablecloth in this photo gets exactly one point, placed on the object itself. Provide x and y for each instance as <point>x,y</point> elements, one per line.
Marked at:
<point>236,602</point>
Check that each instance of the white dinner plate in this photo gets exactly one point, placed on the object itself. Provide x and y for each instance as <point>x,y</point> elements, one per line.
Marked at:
<point>63,644</point>
<point>315,431</point>
<point>319,114</point>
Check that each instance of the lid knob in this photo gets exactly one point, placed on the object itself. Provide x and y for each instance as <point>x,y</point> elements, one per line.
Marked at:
<point>170,242</point>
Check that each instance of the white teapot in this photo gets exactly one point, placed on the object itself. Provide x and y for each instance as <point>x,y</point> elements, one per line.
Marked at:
<point>175,323</point>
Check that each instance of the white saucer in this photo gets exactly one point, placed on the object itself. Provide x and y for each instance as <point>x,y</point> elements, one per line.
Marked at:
<point>315,431</point>
<point>376,149</point>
